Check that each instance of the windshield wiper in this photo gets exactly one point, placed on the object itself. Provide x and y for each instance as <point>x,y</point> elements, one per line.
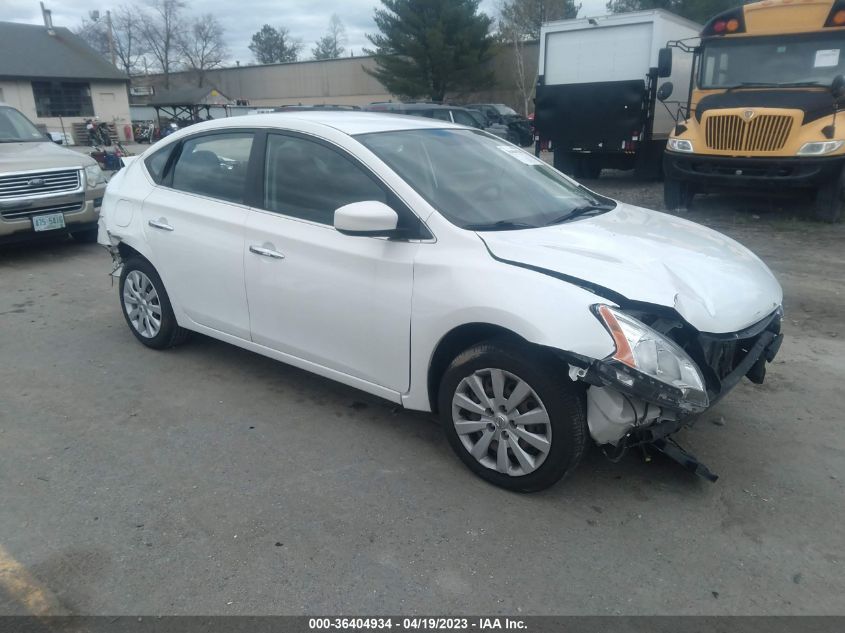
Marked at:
<point>501,225</point>
<point>582,211</point>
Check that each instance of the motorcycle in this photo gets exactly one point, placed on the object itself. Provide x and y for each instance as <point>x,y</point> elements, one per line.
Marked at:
<point>143,132</point>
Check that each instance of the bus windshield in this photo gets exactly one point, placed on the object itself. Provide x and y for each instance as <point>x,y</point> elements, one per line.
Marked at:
<point>781,61</point>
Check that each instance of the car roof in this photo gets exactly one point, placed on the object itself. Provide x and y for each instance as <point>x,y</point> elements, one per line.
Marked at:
<point>348,122</point>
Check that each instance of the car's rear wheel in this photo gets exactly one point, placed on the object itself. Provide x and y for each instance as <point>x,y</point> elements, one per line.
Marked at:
<point>513,416</point>
<point>146,306</point>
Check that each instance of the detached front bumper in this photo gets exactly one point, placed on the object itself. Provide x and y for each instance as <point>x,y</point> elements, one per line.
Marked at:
<point>621,411</point>
<point>719,172</point>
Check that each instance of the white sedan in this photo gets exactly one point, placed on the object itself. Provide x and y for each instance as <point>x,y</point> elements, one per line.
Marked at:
<point>445,270</point>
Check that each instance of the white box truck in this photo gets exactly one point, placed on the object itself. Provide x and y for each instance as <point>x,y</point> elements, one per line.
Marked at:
<point>597,85</point>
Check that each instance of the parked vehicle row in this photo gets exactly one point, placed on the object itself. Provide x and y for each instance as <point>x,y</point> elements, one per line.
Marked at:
<point>441,269</point>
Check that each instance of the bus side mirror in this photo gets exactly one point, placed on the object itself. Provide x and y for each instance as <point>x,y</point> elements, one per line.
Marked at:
<point>665,91</point>
<point>664,62</point>
<point>837,87</point>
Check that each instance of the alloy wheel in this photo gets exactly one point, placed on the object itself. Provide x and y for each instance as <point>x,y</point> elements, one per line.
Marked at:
<point>142,304</point>
<point>502,422</point>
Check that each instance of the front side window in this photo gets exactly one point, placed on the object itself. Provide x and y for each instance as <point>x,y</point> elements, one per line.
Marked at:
<point>479,182</point>
<point>772,61</point>
<point>214,165</point>
<point>15,127</point>
<point>308,180</point>
<point>62,98</point>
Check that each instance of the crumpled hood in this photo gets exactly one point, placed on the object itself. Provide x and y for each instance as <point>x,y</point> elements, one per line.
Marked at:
<point>713,282</point>
<point>30,156</point>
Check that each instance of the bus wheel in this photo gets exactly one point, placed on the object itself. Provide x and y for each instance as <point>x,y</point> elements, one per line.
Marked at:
<point>677,194</point>
<point>829,200</point>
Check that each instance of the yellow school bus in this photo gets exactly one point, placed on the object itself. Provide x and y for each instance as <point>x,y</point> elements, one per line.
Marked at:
<point>761,113</point>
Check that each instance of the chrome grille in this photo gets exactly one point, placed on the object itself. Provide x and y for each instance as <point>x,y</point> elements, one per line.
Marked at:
<point>17,214</point>
<point>38,183</point>
<point>762,133</point>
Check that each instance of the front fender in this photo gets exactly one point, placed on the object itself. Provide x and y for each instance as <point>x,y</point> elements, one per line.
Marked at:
<point>538,308</point>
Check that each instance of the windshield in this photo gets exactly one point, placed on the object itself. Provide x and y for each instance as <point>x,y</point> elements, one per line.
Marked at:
<point>772,61</point>
<point>15,127</point>
<point>479,182</point>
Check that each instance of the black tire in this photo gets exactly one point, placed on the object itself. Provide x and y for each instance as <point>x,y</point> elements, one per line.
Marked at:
<point>564,162</point>
<point>564,402</point>
<point>88,236</point>
<point>587,168</point>
<point>830,198</point>
<point>677,194</point>
<point>169,333</point>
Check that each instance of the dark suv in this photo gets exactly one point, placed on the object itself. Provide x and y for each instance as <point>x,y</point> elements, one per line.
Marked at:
<point>519,127</point>
<point>450,113</point>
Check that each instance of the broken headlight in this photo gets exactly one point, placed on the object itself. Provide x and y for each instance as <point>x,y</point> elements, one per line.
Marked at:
<point>649,365</point>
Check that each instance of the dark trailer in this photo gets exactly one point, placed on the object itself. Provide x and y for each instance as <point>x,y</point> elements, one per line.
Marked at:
<point>596,90</point>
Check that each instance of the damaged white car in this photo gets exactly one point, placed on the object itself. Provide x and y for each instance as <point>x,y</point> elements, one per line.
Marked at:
<point>444,270</point>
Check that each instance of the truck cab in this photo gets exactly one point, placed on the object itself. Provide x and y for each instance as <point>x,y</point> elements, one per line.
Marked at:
<point>762,112</point>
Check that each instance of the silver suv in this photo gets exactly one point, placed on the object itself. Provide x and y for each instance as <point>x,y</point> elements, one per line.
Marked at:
<point>45,188</point>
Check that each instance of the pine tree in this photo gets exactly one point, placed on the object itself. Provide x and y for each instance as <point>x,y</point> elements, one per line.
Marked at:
<point>431,48</point>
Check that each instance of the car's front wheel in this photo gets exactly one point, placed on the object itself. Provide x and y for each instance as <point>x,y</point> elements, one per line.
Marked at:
<point>146,306</point>
<point>513,416</point>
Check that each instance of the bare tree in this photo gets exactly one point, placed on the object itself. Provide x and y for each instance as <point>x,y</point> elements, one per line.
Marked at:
<point>161,30</point>
<point>94,34</point>
<point>202,46</point>
<point>520,21</point>
<point>129,45</point>
<point>330,46</point>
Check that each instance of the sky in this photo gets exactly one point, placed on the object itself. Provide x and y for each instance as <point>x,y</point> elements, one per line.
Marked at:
<point>306,19</point>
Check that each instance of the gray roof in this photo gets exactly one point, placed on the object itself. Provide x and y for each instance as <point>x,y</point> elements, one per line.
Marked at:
<point>188,97</point>
<point>29,51</point>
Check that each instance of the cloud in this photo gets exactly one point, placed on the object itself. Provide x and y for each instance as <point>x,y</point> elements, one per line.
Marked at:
<point>306,19</point>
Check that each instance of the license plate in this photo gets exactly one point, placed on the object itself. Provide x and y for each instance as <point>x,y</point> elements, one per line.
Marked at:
<point>48,222</point>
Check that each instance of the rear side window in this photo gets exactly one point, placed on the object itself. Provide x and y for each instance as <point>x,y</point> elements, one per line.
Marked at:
<point>214,166</point>
<point>158,161</point>
<point>462,118</point>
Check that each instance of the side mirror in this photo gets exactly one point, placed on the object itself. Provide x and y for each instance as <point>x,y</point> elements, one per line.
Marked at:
<point>664,62</point>
<point>369,218</point>
<point>665,91</point>
<point>837,87</point>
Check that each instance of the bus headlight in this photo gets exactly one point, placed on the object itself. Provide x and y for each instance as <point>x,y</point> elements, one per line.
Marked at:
<point>820,148</point>
<point>679,145</point>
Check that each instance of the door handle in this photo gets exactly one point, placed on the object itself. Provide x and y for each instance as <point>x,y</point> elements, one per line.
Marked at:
<point>266,252</point>
<point>158,224</point>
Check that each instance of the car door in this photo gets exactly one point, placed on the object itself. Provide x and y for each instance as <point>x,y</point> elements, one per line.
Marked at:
<point>194,223</point>
<point>341,302</point>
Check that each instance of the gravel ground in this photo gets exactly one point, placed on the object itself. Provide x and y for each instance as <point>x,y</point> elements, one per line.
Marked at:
<point>208,480</point>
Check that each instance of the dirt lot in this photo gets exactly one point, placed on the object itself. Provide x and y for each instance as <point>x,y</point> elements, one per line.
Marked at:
<point>210,480</point>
